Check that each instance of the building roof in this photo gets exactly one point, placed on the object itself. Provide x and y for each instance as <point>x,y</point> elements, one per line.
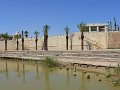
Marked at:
<point>97,24</point>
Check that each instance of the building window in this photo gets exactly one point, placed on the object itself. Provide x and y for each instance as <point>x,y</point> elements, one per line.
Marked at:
<point>93,28</point>
<point>101,28</point>
<point>86,29</point>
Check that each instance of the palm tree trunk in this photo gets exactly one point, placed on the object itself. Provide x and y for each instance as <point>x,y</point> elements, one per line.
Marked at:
<point>82,44</point>
<point>46,43</point>
<point>82,41</point>
<point>71,44</point>
<point>22,43</point>
<point>66,42</point>
<point>5,44</point>
<point>36,45</point>
<point>17,44</point>
<point>36,42</point>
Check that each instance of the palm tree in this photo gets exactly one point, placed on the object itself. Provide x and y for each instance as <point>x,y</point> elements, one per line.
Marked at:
<point>45,31</point>
<point>22,41</point>
<point>5,36</point>
<point>36,35</point>
<point>66,31</point>
<point>17,36</point>
<point>26,33</point>
<point>81,28</point>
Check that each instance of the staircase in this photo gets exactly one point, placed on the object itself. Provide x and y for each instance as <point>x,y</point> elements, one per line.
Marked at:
<point>96,44</point>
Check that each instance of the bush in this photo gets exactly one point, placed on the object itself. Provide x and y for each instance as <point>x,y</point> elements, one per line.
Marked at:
<point>50,62</point>
<point>117,70</point>
<point>117,75</point>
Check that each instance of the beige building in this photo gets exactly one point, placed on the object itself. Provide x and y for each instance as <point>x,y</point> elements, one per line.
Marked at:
<point>98,27</point>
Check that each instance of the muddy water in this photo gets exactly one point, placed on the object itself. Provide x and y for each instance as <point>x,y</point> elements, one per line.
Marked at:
<point>21,76</point>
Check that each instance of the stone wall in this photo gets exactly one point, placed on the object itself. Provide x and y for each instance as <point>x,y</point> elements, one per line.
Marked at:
<point>114,40</point>
<point>92,40</point>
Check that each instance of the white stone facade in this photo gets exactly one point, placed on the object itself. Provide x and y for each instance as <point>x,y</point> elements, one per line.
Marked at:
<point>97,27</point>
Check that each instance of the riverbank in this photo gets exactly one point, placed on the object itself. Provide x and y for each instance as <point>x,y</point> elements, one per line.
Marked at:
<point>102,58</point>
<point>100,62</point>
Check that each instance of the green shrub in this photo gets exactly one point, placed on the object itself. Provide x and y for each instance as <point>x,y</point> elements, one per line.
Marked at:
<point>117,70</point>
<point>117,75</point>
<point>50,62</point>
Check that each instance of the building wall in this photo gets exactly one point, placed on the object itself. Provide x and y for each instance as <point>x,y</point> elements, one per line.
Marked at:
<point>114,40</point>
<point>92,40</point>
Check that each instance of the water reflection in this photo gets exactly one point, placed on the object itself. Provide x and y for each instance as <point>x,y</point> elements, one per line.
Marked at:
<point>68,78</point>
<point>47,79</point>
<point>18,70</point>
<point>23,73</point>
<point>37,77</point>
<point>83,82</point>
<point>37,72</point>
<point>6,70</point>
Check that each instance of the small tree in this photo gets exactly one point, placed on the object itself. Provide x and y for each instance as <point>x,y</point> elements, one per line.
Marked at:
<point>81,28</point>
<point>6,37</point>
<point>66,31</point>
<point>36,37</point>
<point>45,31</point>
<point>26,33</point>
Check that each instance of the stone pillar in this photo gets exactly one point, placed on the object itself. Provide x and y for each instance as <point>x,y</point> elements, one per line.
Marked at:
<point>106,28</point>
<point>89,29</point>
<point>97,28</point>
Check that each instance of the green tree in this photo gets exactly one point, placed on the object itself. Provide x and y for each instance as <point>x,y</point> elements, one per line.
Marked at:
<point>9,37</point>
<point>66,32</point>
<point>81,28</point>
<point>45,31</point>
<point>26,33</point>
<point>36,37</point>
